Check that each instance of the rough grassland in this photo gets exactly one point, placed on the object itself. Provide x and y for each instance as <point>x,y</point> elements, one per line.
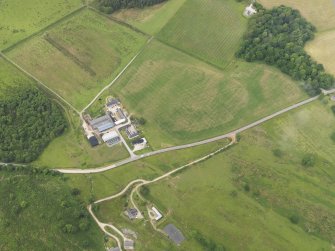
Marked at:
<point>19,19</point>
<point>72,150</point>
<point>185,100</point>
<point>150,19</point>
<point>33,210</point>
<point>79,56</point>
<point>246,196</point>
<point>210,30</point>
<point>320,13</point>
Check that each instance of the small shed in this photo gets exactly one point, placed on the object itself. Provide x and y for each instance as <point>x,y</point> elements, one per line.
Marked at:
<point>158,215</point>
<point>128,244</point>
<point>93,141</point>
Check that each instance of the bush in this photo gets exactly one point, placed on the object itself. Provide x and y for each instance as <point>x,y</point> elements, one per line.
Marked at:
<point>295,218</point>
<point>145,191</point>
<point>333,137</point>
<point>308,160</point>
<point>333,108</point>
<point>278,153</point>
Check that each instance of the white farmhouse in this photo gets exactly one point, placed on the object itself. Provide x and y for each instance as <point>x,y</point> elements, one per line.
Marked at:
<point>249,11</point>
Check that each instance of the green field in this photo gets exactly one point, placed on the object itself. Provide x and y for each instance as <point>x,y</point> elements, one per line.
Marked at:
<point>19,19</point>
<point>34,210</point>
<point>10,76</point>
<point>72,150</point>
<point>150,19</point>
<point>251,196</point>
<point>185,100</point>
<point>79,56</point>
<point>210,30</point>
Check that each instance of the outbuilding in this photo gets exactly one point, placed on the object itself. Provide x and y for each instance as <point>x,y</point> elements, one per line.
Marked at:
<point>111,138</point>
<point>93,140</point>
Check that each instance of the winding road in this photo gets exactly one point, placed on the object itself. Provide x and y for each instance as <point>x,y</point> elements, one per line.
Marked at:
<point>202,142</point>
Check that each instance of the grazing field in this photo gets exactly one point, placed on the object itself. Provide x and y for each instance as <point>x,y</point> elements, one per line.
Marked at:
<point>80,56</point>
<point>150,19</point>
<point>19,19</point>
<point>72,150</point>
<point>40,212</point>
<point>210,30</point>
<point>321,13</point>
<point>184,100</point>
<point>257,194</point>
<point>322,48</point>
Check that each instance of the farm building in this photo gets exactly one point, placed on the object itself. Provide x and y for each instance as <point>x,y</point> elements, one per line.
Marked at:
<point>128,244</point>
<point>131,213</point>
<point>113,103</point>
<point>93,140</point>
<point>249,11</point>
<point>158,215</point>
<point>111,138</point>
<point>102,124</point>
<point>131,131</point>
<point>174,234</point>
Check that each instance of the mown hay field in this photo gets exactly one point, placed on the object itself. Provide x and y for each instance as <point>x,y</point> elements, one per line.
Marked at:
<point>185,100</point>
<point>210,30</point>
<point>80,56</point>
<point>19,19</point>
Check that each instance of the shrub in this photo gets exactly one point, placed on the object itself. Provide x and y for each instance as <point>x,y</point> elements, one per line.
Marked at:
<point>294,218</point>
<point>308,160</point>
<point>278,153</point>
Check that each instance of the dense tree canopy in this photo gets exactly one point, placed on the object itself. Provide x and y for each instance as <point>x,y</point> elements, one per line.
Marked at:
<point>109,6</point>
<point>28,122</point>
<point>277,37</point>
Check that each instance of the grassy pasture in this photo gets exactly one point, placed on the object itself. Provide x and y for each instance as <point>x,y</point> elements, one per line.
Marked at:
<point>321,13</point>
<point>81,55</point>
<point>150,19</point>
<point>72,150</point>
<point>245,196</point>
<point>19,19</point>
<point>185,100</point>
<point>210,30</point>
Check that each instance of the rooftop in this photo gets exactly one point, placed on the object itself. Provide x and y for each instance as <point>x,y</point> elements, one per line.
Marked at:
<point>102,123</point>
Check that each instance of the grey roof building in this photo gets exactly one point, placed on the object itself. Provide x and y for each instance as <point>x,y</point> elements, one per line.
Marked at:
<point>93,141</point>
<point>102,123</point>
<point>128,244</point>
<point>174,234</point>
<point>132,213</point>
<point>115,249</point>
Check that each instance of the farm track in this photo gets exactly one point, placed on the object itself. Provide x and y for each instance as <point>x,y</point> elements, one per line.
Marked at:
<point>198,143</point>
<point>142,182</point>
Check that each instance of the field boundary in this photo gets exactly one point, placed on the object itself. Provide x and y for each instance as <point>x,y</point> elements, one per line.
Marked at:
<point>41,31</point>
<point>118,76</point>
<point>118,21</point>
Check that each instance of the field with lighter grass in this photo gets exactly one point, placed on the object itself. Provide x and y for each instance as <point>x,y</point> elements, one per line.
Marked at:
<point>257,194</point>
<point>80,56</point>
<point>185,100</point>
<point>210,30</point>
<point>322,48</point>
<point>150,19</point>
<point>320,13</point>
<point>19,19</point>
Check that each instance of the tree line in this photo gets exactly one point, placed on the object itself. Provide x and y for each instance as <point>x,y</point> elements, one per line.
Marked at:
<point>28,122</point>
<point>277,37</point>
<point>109,6</point>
